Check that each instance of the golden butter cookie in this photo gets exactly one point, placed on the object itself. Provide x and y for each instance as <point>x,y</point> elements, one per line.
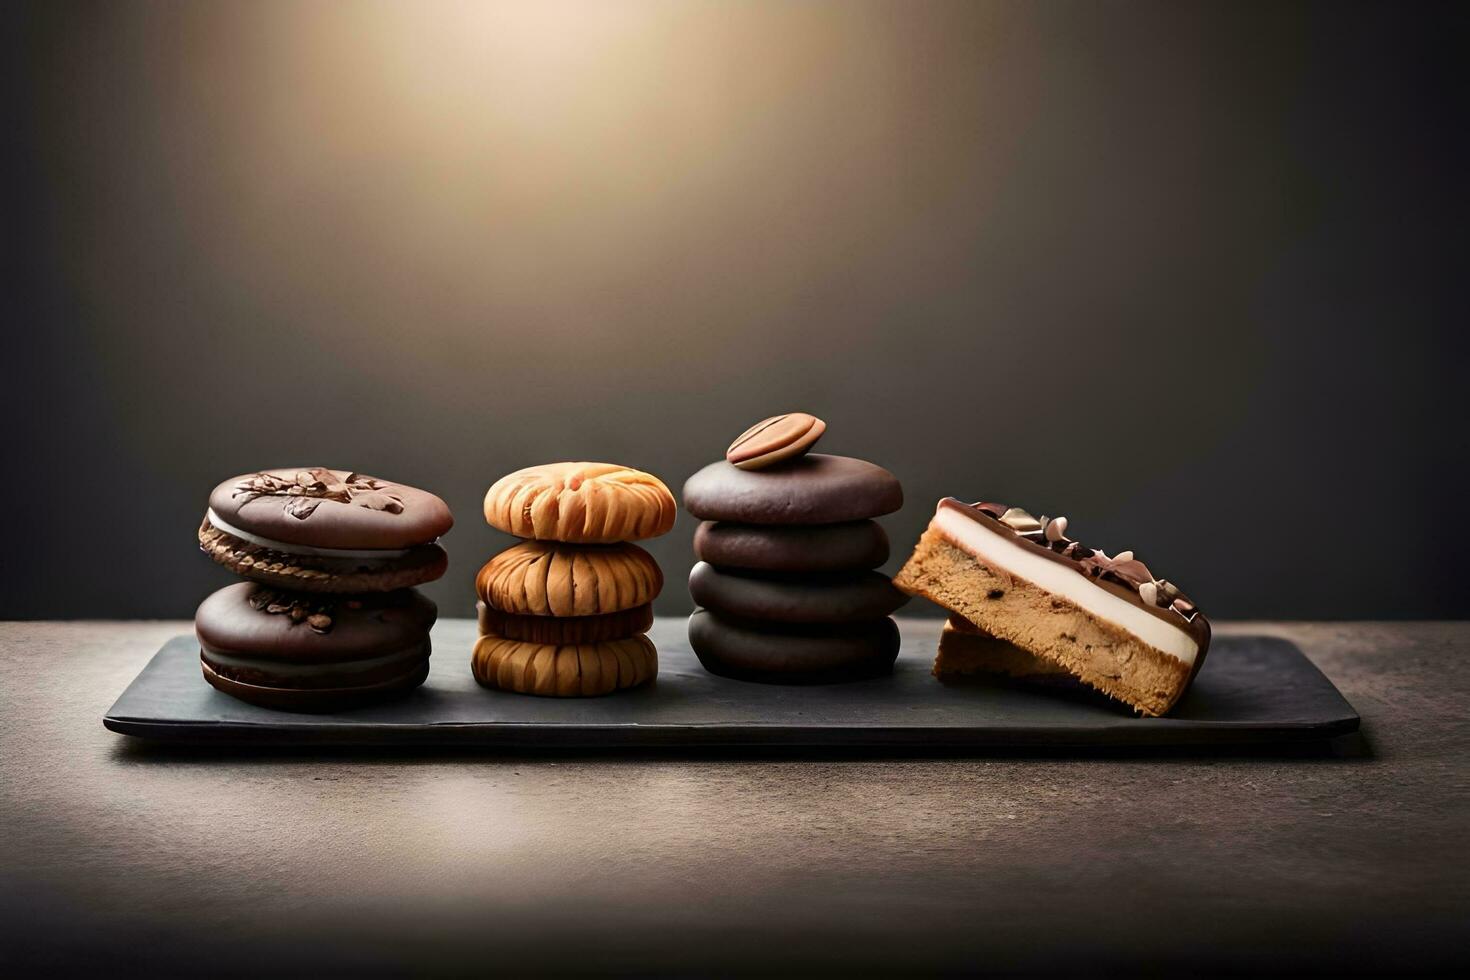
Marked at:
<point>565,629</point>
<point>580,503</point>
<point>544,578</point>
<point>564,671</point>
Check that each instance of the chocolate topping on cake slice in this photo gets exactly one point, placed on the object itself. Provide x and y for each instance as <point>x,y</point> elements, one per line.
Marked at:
<point>1047,537</point>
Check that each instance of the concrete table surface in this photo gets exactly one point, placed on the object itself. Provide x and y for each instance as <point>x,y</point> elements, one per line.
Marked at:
<point>125,858</point>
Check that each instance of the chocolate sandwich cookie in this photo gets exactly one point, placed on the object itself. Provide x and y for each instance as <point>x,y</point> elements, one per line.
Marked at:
<point>320,530</point>
<point>312,652</point>
<point>852,597</point>
<point>811,489</point>
<point>793,654</point>
<point>565,629</point>
<point>850,547</point>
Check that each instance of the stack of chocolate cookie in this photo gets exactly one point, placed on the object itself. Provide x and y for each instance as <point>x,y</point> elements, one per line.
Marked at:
<point>786,583</point>
<point>328,617</point>
<point>564,612</point>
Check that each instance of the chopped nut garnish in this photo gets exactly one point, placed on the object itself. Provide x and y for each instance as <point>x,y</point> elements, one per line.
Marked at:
<point>1056,529</point>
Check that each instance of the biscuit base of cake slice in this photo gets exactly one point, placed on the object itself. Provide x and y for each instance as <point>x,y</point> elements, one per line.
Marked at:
<point>1099,618</point>
<point>966,651</point>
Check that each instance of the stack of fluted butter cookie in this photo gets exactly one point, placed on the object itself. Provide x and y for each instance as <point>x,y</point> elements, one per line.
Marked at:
<point>786,583</point>
<point>328,617</point>
<point>564,612</point>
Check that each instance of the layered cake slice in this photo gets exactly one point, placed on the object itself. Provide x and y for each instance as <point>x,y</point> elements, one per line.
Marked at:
<point>1106,621</point>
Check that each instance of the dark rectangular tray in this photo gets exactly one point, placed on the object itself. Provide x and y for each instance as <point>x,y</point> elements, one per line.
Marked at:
<point>1252,689</point>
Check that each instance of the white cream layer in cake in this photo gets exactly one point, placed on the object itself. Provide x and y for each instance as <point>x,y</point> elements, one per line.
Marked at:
<point>1014,558</point>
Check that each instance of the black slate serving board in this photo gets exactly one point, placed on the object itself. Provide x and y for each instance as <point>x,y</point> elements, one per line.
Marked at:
<point>1251,689</point>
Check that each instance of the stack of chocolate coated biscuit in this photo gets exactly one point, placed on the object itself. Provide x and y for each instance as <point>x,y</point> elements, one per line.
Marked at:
<point>564,612</point>
<point>328,618</point>
<point>788,548</point>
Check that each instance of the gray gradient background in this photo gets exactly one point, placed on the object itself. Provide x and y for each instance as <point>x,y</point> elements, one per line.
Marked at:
<point>1187,273</point>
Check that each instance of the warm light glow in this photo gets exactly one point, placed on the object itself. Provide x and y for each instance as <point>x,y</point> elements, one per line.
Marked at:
<point>458,189</point>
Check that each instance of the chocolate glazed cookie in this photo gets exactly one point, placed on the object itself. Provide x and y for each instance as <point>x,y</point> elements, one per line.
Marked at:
<point>321,530</point>
<point>852,597</point>
<point>810,489</point>
<point>298,652</point>
<point>793,654</point>
<point>850,547</point>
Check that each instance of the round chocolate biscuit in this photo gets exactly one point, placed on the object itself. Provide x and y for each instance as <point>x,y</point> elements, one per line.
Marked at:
<point>851,547</point>
<point>321,530</point>
<point>850,597</point>
<point>565,629</point>
<point>306,651</point>
<point>811,489</point>
<point>330,509</point>
<point>793,654</point>
<point>564,670</point>
<point>318,700</point>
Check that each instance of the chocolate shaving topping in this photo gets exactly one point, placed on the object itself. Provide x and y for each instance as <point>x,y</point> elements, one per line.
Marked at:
<point>1123,569</point>
<point>310,487</point>
<point>316,613</point>
<point>379,500</point>
<point>302,507</point>
<point>1018,520</point>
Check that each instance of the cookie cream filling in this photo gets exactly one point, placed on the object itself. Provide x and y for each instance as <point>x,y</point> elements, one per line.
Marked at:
<point>303,549</point>
<point>1014,558</point>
